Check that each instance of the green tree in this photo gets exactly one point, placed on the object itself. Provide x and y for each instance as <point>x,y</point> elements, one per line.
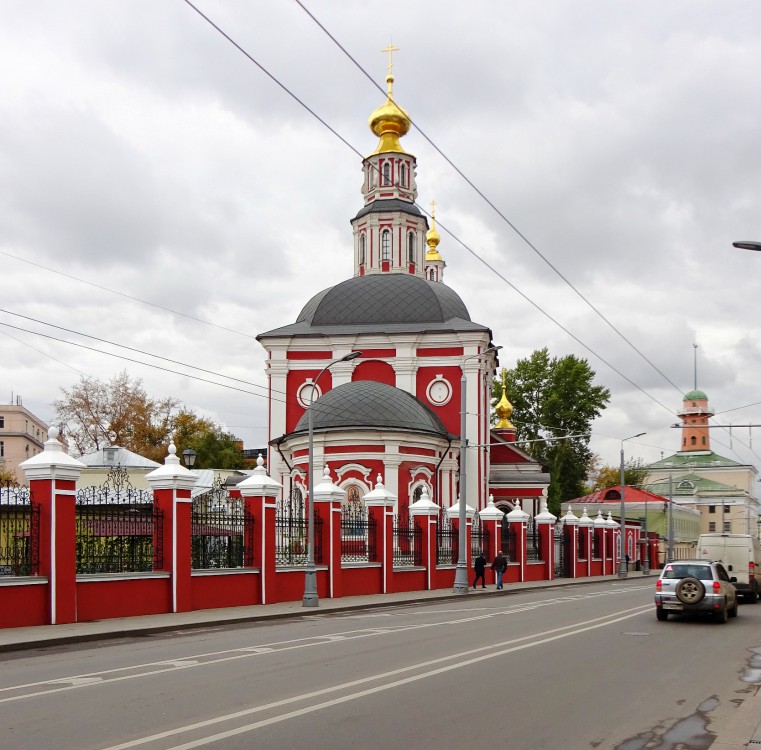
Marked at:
<point>635,474</point>
<point>214,447</point>
<point>554,404</point>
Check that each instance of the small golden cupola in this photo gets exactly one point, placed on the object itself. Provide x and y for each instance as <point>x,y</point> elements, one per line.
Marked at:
<point>434,263</point>
<point>504,408</point>
<point>389,122</point>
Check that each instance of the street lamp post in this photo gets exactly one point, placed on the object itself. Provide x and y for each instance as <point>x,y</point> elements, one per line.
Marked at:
<point>310,598</point>
<point>622,570</point>
<point>461,572</point>
<point>646,562</point>
<point>748,245</point>
<point>189,457</point>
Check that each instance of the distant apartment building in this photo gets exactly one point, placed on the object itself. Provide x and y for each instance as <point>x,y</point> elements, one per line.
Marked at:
<point>22,435</point>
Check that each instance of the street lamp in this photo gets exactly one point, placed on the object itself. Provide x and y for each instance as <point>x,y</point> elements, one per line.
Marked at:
<point>748,245</point>
<point>622,570</point>
<point>461,573</point>
<point>189,457</point>
<point>310,578</point>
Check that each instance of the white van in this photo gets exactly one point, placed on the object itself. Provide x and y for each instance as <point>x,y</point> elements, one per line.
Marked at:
<point>741,555</point>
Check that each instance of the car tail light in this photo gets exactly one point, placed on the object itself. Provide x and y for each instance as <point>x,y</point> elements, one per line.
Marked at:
<point>716,587</point>
<point>658,585</point>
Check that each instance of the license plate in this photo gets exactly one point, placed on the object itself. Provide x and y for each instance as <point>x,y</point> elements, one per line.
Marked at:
<point>672,606</point>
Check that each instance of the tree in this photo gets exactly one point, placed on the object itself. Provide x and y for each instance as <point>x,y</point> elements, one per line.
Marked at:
<point>554,403</point>
<point>7,476</point>
<point>635,474</point>
<point>118,412</point>
<point>214,447</point>
<point>97,413</point>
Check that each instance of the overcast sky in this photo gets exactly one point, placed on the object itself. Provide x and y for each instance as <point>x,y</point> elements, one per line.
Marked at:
<point>153,177</point>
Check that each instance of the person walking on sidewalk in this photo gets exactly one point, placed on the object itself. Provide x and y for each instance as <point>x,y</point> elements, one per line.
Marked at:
<point>479,565</point>
<point>499,566</point>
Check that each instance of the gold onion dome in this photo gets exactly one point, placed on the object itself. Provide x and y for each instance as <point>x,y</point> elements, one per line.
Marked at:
<point>389,122</point>
<point>504,408</point>
<point>432,238</point>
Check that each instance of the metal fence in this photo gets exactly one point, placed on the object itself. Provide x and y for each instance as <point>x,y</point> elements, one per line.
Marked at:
<point>222,532</point>
<point>408,542</point>
<point>533,541</point>
<point>596,554</point>
<point>509,540</point>
<point>359,537</point>
<point>479,538</point>
<point>118,528</point>
<point>291,532</point>
<point>19,531</point>
<point>447,541</point>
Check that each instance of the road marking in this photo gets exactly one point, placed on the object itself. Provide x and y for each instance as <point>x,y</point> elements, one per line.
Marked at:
<point>467,658</point>
<point>214,657</point>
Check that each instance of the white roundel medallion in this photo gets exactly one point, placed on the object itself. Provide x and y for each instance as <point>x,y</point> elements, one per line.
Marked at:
<point>439,391</point>
<point>304,393</point>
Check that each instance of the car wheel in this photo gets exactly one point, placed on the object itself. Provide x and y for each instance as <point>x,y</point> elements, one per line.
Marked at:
<point>733,610</point>
<point>722,615</point>
<point>753,598</point>
<point>661,614</point>
<point>690,591</point>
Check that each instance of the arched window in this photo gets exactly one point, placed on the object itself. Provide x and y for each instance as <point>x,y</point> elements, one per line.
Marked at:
<point>386,245</point>
<point>431,275</point>
<point>386,174</point>
<point>403,175</point>
<point>362,249</point>
<point>411,247</point>
<point>693,440</point>
<point>704,440</point>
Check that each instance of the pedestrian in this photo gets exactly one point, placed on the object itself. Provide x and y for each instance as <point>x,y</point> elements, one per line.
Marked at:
<point>479,565</point>
<point>499,566</point>
<point>626,557</point>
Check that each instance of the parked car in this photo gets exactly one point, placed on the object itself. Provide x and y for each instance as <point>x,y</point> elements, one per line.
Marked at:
<point>741,555</point>
<point>702,586</point>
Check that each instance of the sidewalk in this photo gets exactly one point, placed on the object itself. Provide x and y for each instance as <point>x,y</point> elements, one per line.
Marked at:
<point>16,639</point>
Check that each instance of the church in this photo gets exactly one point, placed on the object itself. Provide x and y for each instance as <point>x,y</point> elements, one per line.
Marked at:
<point>394,348</point>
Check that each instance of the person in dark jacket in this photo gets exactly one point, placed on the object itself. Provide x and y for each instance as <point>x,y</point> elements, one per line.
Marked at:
<point>479,565</point>
<point>499,566</point>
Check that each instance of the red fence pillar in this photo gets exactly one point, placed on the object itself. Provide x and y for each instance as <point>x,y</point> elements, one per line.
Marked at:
<point>546,522</point>
<point>171,485</point>
<point>571,540</point>
<point>425,513</point>
<point>380,504</point>
<point>53,476</point>
<point>259,492</point>
<point>598,525</point>
<point>328,499</point>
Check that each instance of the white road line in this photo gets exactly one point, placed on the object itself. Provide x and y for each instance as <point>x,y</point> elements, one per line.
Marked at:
<point>467,658</point>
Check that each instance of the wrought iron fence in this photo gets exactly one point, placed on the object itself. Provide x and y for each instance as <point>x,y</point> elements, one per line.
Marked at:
<point>596,554</point>
<point>359,538</point>
<point>291,532</point>
<point>563,541</point>
<point>19,531</point>
<point>408,542</point>
<point>509,540</point>
<point>118,528</point>
<point>533,541</point>
<point>447,541</point>
<point>582,544</point>
<point>222,532</point>
<point>479,538</point>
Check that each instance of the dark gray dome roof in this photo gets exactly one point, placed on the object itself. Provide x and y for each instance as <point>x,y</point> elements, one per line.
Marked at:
<point>384,298</point>
<point>365,403</point>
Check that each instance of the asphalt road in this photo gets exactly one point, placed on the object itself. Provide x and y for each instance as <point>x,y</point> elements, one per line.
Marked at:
<point>578,667</point>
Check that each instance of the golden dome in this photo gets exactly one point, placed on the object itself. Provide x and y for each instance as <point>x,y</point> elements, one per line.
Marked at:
<point>389,122</point>
<point>432,238</point>
<point>504,408</point>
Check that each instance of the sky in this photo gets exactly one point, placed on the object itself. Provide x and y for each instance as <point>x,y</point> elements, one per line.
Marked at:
<point>162,190</point>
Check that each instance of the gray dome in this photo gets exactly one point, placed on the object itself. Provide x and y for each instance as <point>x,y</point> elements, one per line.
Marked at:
<point>365,403</point>
<point>384,298</point>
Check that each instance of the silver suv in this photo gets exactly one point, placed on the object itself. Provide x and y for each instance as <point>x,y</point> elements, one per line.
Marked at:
<point>695,586</point>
